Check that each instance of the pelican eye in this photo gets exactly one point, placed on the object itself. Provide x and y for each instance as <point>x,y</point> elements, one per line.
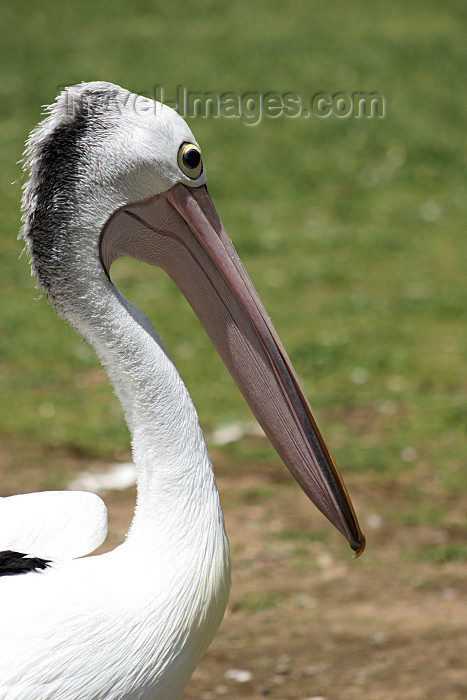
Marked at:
<point>190,161</point>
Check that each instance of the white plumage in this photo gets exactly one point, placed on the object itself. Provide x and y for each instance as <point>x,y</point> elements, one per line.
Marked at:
<point>111,175</point>
<point>53,524</point>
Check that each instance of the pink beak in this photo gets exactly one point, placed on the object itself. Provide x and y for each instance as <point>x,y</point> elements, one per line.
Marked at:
<point>179,231</point>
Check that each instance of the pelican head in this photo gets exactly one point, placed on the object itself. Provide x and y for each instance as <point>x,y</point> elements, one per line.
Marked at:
<point>113,175</point>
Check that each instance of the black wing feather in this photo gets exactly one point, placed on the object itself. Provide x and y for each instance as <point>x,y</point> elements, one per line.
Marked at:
<point>14,563</point>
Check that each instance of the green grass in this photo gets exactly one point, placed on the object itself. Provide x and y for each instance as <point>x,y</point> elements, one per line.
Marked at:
<point>441,554</point>
<point>257,603</point>
<point>420,515</point>
<point>352,230</point>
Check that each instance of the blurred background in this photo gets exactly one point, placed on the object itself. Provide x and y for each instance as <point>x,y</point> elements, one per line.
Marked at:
<point>353,231</point>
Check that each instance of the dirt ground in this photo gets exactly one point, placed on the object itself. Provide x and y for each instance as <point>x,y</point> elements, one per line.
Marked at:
<point>305,620</point>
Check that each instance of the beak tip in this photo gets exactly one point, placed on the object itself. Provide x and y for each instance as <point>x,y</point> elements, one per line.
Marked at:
<point>358,546</point>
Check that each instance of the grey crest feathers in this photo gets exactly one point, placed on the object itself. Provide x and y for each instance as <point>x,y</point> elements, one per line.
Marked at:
<point>55,155</point>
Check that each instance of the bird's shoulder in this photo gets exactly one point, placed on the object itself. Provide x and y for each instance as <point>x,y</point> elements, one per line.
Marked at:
<point>50,525</point>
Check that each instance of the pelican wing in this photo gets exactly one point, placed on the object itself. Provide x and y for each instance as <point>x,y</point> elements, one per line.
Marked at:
<point>53,524</point>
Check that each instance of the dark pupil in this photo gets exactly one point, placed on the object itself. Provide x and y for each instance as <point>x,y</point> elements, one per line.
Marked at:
<point>192,158</point>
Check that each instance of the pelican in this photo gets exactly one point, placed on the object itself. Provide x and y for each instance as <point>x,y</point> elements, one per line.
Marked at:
<point>112,175</point>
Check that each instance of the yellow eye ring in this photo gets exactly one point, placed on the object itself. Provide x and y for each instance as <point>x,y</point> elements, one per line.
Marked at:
<point>190,161</point>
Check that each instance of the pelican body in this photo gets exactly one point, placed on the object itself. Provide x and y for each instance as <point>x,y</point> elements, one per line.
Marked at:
<point>108,179</point>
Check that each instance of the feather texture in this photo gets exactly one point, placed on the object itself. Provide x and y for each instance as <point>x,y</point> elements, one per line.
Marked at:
<point>53,524</point>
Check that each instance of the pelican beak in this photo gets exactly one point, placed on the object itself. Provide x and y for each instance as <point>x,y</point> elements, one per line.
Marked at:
<point>179,231</point>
